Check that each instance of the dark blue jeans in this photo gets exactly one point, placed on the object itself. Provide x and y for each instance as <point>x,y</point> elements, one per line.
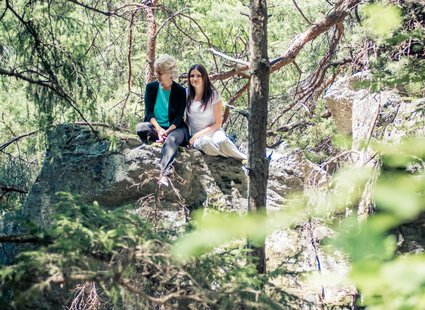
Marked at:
<point>177,137</point>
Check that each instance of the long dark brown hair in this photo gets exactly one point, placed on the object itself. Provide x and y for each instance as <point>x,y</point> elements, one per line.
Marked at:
<point>208,87</point>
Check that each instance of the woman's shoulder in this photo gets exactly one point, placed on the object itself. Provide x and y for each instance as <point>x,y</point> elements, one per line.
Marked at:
<point>179,87</point>
<point>152,84</point>
<point>215,93</point>
<point>215,97</point>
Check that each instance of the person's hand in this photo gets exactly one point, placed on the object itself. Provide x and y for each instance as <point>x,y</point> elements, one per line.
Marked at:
<point>192,141</point>
<point>162,135</point>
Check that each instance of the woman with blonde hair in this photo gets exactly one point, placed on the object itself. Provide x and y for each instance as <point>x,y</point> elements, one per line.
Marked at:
<point>204,117</point>
<point>165,102</point>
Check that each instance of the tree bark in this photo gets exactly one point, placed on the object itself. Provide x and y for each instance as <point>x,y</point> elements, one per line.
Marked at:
<point>258,165</point>
<point>151,43</point>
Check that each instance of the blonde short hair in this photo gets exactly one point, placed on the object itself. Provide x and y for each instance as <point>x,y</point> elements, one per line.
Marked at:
<point>166,63</point>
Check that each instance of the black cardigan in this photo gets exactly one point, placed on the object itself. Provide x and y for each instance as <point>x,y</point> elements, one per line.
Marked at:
<point>176,105</point>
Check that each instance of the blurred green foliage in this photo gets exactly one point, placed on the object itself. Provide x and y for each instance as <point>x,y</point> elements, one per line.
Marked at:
<point>130,263</point>
<point>399,33</point>
<point>381,19</point>
<point>382,277</point>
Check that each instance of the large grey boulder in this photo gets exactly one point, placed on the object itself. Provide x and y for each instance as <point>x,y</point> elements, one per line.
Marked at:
<point>362,113</point>
<point>406,119</point>
<point>79,163</point>
<point>385,116</point>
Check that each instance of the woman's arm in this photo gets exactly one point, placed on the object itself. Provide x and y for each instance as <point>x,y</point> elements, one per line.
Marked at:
<point>149,99</point>
<point>213,127</point>
<point>181,106</point>
<point>179,101</point>
<point>155,124</point>
<point>170,129</point>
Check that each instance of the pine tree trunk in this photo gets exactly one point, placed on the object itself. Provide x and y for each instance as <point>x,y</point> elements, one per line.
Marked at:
<point>151,43</point>
<point>258,165</point>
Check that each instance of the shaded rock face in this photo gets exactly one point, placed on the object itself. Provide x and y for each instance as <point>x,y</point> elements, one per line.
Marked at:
<point>8,251</point>
<point>411,236</point>
<point>78,163</point>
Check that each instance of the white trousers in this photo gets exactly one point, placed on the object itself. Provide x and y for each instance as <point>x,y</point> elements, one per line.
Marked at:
<point>218,144</point>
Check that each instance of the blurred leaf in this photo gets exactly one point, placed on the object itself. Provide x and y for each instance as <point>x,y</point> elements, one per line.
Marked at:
<point>399,155</point>
<point>366,241</point>
<point>397,284</point>
<point>381,19</point>
<point>401,195</point>
<point>347,188</point>
<point>217,229</point>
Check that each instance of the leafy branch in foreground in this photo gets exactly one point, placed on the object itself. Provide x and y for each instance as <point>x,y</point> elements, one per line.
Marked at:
<point>115,255</point>
<point>386,279</point>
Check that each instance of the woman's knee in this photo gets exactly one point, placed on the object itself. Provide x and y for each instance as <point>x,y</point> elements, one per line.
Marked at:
<point>227,145</point>
<point>219,137</point>
<point>222,141</point>
<point>171,140</point>
<point>201,142</point>
<point>142,128</point>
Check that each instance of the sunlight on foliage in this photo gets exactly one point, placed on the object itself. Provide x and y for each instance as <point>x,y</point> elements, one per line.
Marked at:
<point>368,241</point>
<point>381,19</point>
<point>119,252</point>
<point>388,281</point>
<point>346,190</point>
<point>370,246</point>
<point>396,284</point>
<point>401,196</point>
<point>216,229</point>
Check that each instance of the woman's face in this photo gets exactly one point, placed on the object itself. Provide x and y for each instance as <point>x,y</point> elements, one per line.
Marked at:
<point>164,78</point>
<point>195,78</point>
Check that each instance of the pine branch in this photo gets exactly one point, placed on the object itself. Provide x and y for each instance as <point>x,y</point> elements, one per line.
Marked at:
<point>25,238</point>
<point>17,138</point>
<point>106,13</point>
<point>7,189</point>
<point>229,58</point>
<point>55,87</point>
<point>301,12</point>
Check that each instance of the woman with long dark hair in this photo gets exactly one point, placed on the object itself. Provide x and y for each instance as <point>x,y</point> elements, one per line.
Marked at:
<point>204,116</point>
